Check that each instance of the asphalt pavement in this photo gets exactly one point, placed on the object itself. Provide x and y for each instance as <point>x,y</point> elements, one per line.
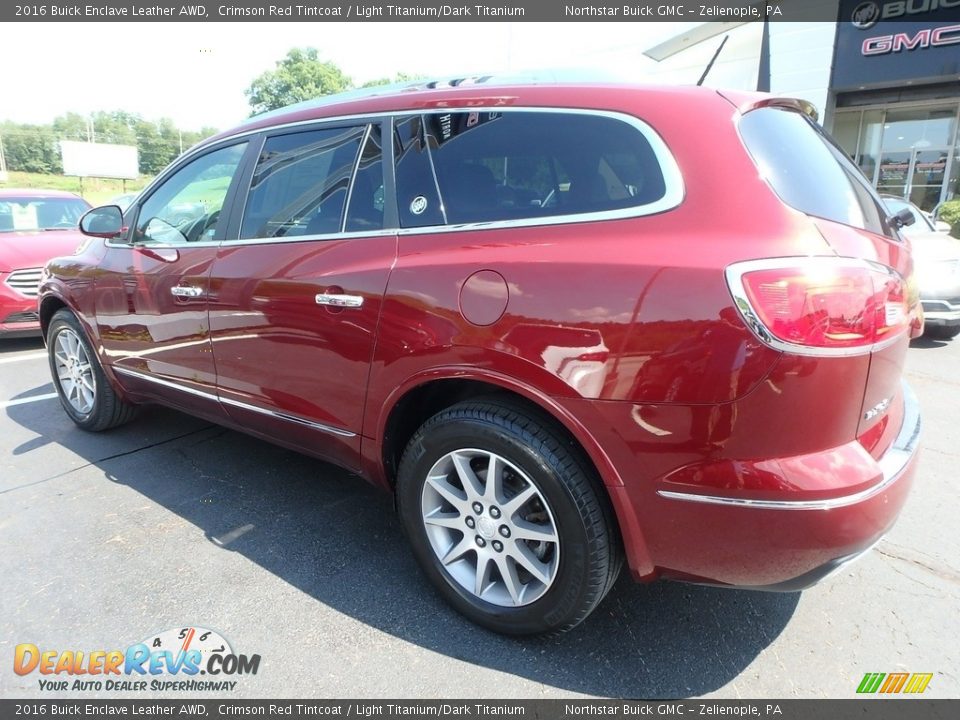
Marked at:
<point>170,522</point>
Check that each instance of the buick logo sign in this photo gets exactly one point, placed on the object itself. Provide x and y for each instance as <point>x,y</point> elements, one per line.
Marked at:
<point>865,15</point>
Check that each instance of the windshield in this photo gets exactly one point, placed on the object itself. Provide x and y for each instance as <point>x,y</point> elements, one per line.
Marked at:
<point>920,222</point>
<point>29,214</point>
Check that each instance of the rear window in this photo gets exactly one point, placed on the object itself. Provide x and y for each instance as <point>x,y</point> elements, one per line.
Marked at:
<point>490,166</point>
<point>809,172</point>
<point>40,213</point>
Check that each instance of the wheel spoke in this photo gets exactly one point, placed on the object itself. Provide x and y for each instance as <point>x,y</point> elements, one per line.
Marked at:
<point>519,500</point>
<point>484,565</point>
<point>458,550</point>
<point>447,491</point>
<point>524,530</point>
<point>442,519</point>
<point>524,557</point>
<point>511,581</point>
<point>471,483</point>
<point>64,346</point>
<point>491,493</point>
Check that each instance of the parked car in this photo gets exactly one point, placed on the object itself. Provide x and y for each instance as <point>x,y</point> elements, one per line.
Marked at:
<point>179,214</point>
<point>35,225</point>
<point>937,261</point>
<point>566,325</point>
<point>123,200</point>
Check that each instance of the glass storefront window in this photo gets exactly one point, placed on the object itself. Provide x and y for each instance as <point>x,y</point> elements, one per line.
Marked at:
<point>919,128</point>
<point>904,151</point>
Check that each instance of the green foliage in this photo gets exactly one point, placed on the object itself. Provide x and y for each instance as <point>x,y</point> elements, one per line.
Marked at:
<point>30,148</point>
<point>36,149</point>
<point>300,76</point>
<point>950,213</point>
<point>398,78</point>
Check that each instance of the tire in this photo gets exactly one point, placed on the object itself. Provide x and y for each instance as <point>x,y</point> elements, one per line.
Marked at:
<point>546,538</point>
<point>84,391</point>
<point>942,332</point>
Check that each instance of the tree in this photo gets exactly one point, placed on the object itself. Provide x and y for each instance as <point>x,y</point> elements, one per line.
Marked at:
<point>31,148</point>
<point>400,77</point>
<point>300,76</point>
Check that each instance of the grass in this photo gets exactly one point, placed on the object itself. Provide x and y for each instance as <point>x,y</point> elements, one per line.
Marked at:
<point>95,191</point>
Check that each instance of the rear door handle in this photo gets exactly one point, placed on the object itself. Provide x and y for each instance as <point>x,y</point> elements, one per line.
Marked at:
<point>186,291</point>
<point>340,301</point>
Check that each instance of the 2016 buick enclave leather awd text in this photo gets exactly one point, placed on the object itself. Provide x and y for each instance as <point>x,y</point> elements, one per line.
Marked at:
<point>566,326</point>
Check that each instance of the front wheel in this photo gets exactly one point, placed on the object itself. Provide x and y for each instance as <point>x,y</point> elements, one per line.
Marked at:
<point>507,519</point>
<point>84,391</point>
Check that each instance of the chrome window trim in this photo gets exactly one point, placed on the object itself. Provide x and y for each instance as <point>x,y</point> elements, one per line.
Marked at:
<point>674,188</point>
<point>233,403</point>
<point>892,465</point>
<point>353,177</point>
<point>734,274</point>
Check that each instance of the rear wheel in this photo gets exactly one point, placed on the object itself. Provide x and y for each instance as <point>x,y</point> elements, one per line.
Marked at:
<point>84,391</point>
<point>506,519</point>
<point>942,332</point>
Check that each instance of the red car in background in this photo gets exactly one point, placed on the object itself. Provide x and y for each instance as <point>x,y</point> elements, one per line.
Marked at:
<point>567,326</point>
<point>35,225</point>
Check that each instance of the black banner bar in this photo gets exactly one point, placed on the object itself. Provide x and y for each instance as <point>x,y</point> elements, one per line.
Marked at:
<point>405,10</point>
<point>207,709</point>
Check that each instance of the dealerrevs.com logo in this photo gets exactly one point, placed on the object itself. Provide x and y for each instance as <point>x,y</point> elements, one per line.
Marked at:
<point>173,660</point>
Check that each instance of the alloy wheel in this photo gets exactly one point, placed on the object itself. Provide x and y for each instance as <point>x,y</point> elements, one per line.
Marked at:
<point>490,527</point>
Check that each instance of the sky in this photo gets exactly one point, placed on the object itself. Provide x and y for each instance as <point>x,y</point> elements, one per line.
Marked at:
<point>195,73</point>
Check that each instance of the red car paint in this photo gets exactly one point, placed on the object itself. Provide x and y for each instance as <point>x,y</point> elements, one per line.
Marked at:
<point>726,460</point>
<point>25,250</point>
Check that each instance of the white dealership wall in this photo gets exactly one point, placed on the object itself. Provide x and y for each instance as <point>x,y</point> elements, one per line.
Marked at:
<point>801,57</point>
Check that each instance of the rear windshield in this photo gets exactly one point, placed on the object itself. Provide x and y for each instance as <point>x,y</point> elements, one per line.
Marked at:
<point>40,213</point>
<point>810,172</point>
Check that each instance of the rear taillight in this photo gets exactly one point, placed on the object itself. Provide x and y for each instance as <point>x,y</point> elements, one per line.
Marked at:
<point>821,305</point>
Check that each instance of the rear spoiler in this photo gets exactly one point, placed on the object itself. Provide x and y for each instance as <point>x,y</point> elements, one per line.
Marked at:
<point>746,102</point>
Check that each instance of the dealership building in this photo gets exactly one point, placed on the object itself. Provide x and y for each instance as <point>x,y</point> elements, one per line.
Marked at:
<point>885,77</point>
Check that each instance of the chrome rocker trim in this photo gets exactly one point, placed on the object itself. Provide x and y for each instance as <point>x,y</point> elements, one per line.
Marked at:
<point>234,403</point>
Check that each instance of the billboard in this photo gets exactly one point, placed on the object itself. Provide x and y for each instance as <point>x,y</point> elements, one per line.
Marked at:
<point>99,160</point>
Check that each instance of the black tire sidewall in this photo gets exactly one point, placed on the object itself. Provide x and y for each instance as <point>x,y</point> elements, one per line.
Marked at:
<point>569,592</point>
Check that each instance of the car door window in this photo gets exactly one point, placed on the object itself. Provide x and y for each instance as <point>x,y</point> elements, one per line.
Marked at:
<point>491,166</point>
<point>299,187</point>
<point>418,200</point>
<point>365,209</point>
<point>186,207</point>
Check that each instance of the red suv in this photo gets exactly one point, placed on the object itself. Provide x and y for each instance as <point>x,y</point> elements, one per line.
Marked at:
<point>564,325</point>
<point>35,225</point>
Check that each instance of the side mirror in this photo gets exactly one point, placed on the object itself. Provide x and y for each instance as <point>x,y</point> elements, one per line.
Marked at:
<point>103,222</point>
<point>904,218</point>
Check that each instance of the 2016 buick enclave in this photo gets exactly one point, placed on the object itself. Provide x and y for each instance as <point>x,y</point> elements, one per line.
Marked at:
<point>565,325</point>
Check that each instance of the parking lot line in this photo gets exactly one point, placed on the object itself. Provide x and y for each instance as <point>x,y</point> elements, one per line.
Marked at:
<point>18,358</point>
<point>24,401</point>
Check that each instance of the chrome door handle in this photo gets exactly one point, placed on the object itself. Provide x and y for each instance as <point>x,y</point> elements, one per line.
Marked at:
<point>340,301</point>
<point>186,291</point>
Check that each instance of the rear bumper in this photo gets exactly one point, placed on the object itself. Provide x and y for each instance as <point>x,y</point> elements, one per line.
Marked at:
<point>781,541</point>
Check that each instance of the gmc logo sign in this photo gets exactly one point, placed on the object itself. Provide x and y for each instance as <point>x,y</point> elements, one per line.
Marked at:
<point>926,38</point>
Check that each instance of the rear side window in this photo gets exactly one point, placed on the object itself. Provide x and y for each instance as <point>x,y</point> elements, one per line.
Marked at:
<point>809,172</point>
<point>299,186</point>
<point>491,166</point>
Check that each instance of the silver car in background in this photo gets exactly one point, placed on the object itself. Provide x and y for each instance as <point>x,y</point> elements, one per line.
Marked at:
<point>936,258</point>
